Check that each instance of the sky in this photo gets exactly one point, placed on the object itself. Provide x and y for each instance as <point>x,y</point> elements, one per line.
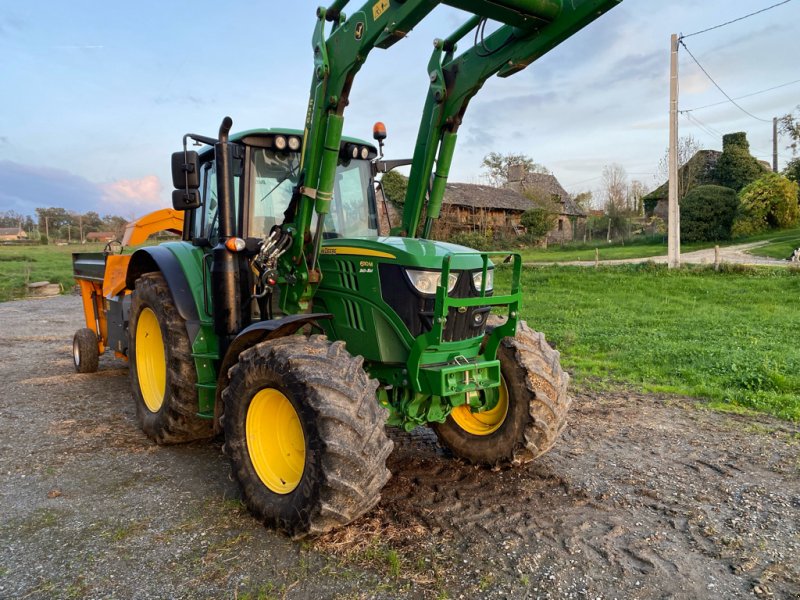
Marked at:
<point>97,95</point>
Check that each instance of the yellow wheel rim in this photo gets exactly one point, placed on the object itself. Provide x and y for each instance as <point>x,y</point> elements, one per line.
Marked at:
<point>151,364</point>
<point>275,441</point>
<point>483,423</point>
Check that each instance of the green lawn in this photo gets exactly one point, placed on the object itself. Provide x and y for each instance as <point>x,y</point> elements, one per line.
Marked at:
<point>20,265</point>
<point>781,244</point>
<point>728,337</point>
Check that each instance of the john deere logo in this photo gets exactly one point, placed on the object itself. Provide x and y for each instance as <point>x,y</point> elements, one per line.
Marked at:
<point>359,30</point>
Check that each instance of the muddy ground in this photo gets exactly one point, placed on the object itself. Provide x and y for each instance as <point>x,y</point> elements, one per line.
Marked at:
<point>645,497</point>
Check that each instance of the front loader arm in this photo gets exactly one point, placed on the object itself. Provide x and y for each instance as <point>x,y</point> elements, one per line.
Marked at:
<point>337,59</point>
<point>454,81</point>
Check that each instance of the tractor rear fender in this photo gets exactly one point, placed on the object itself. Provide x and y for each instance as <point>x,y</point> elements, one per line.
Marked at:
<point>159,258</point>
<point>255,334</point>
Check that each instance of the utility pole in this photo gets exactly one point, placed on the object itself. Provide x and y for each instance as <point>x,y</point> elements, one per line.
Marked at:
<point>46,230</point>
<point>674,225</point>
<point>775,144</point>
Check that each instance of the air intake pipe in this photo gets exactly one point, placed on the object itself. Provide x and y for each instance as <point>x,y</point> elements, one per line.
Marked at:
<point>225,290</point>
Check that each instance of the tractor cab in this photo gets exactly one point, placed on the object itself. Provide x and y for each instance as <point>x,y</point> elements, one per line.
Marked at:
<point>266,175</point>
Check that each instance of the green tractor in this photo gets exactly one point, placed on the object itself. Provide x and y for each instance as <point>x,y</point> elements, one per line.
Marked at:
<point>284,321</point>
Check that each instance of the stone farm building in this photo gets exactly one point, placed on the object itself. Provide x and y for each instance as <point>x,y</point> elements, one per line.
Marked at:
<point>546,191</point>
<point>471,207</point>
<point>12,234</point>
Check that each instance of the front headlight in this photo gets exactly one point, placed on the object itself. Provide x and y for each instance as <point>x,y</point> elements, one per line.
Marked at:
<point>426,282</point>
<point>477,278</point>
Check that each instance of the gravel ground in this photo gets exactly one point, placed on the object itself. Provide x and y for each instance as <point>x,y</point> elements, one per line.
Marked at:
<point>645,497</point>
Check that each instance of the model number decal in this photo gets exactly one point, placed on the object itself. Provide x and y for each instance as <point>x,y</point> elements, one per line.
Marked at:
<point>380,7</point>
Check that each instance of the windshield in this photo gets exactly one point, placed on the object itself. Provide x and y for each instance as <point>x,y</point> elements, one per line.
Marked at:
<point>352,212</point>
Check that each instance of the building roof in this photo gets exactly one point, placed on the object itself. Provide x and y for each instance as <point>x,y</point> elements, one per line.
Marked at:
<point>10,230</point>
<point>98,235</point>
<point>698,170</point>
<point>486,196</point>
<point>546,185</point>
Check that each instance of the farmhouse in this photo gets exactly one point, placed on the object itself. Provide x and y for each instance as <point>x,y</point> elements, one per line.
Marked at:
<point>12,234</point>
<point>100,236</point>
<point>547,192</point>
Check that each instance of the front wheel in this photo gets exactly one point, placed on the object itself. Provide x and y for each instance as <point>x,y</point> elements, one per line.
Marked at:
<point>305,434</point>
<point>162,371</point>
<point>531,409</point>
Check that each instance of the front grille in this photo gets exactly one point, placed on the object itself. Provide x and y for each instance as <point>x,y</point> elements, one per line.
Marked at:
<point>416,311</point>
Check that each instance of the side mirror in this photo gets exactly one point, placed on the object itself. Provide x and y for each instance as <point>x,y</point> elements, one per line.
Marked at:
<point>185,174</point>
<point>186,180</point>
<point>185,199</point>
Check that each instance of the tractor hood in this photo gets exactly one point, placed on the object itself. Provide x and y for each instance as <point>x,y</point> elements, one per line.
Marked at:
<point>409,252</point>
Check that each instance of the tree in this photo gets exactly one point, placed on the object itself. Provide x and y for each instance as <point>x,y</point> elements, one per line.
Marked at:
<point>615,187</point>
<point>12,218</point>
<point>496,166</point>
<point>790,125</point>
<point>736,167</point>
<point>688,172</point>
<point>792,170</point>
<point>707,213</point>
<point>769,202</point>
<point>583,200</point>
<point>637,190</point>
<point>394,187</point>
<point>538,222</point>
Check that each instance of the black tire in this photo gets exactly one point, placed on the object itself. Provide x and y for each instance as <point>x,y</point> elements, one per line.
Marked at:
<point>172,419</point>
<point>538,404</point>
<point>344,442</point>
<point>85,354</point>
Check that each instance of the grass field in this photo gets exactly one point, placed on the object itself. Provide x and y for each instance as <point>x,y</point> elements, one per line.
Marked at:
<point>728,336</point>
<point>780,245</point>
<point>20,265</point>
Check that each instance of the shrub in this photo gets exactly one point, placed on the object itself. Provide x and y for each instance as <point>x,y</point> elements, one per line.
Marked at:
<point>538,222</point>
<point>43,240</point>
<point>707,213</point>
<point>770,202</point>
<point>394,186</point>
<point>473,239</point>
<point>736,167</point>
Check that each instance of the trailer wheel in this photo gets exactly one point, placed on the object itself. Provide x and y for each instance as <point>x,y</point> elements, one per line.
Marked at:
<point>85,353</point>
<point>305,434</point>
<point>531,411</point>
<point>161,367</point>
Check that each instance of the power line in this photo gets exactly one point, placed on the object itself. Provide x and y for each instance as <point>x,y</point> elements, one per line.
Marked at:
<point>777,87</point>
<point>711,79</point>
<point>736,20</point>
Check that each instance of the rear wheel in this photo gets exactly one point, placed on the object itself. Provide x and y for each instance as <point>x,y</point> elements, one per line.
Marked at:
<point>161,366</point>
<point>305,434</point>
<point>85,353</point>
<point>531,409</point>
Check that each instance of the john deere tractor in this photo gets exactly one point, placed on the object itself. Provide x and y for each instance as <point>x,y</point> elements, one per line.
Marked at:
<point>285,322</point>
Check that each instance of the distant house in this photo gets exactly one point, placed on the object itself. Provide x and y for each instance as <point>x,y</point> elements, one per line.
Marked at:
<point>546,191</point>
<point>12,234</point>
<point>471,207</point>
<point>100,236</point>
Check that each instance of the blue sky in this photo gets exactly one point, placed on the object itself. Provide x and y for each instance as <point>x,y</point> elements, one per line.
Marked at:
<point>96,95</point>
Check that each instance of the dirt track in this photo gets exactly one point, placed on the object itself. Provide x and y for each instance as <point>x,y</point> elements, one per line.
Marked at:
<point>645,497</point>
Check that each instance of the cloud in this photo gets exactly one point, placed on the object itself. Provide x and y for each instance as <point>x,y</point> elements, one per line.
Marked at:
<point>140,195</point>
<point>23,188</point>
<point>3,139</point>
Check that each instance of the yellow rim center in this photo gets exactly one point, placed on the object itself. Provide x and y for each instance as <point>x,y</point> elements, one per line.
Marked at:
<point>275,441</point>
<point>151,364</point>
<point>487,422</point>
